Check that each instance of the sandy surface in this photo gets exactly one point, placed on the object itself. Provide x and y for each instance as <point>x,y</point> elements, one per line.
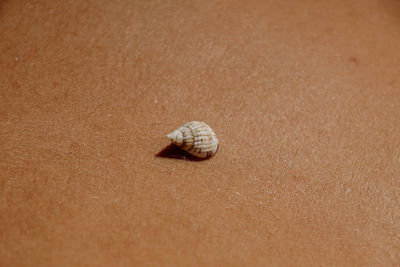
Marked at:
<point>303,95</point>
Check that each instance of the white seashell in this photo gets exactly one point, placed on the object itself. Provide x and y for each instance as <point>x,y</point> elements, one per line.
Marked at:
<point>196,138</point>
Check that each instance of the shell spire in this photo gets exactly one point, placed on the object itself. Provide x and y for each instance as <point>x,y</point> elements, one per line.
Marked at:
<point>176,137</point>
<point>196,138</point>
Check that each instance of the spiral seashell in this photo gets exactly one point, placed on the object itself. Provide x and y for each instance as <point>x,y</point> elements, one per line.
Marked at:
<point>196,138</point>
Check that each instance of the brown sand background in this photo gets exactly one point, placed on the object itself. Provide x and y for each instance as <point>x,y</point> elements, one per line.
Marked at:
<point>303,95</point>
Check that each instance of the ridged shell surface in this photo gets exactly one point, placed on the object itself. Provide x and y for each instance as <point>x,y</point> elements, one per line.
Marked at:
<point>195,137</point>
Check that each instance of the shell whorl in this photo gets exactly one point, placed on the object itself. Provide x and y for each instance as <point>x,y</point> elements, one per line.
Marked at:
<point>196,138</point>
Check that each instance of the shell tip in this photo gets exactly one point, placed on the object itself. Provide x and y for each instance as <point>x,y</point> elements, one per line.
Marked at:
<point>170,137</point>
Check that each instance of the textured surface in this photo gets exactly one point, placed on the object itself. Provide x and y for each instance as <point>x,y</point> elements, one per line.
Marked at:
<point>304,97</point>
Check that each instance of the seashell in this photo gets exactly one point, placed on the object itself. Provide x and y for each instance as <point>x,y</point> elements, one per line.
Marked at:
<point>196,138</point>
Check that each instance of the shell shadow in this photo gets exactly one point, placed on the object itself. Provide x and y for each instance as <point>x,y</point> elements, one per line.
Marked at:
<point>174,152</point>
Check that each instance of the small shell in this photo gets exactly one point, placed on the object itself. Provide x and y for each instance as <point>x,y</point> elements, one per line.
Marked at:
<point>196,138</point>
